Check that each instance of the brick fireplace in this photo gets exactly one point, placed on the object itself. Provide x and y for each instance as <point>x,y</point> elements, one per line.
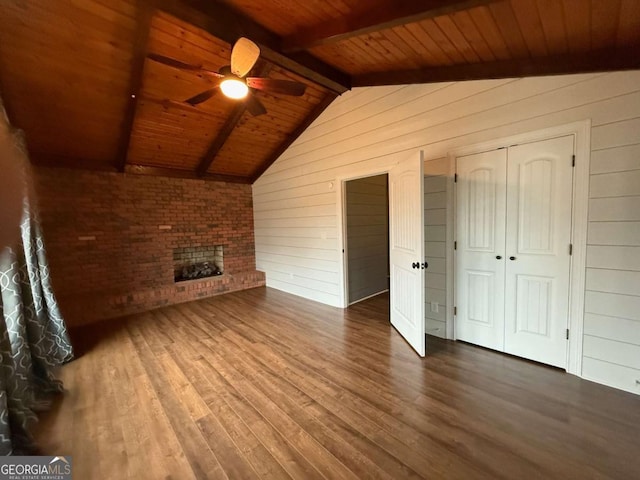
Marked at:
<point>112,239</point>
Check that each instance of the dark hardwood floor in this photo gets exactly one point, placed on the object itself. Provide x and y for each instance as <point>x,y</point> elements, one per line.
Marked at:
<point>261,384</point>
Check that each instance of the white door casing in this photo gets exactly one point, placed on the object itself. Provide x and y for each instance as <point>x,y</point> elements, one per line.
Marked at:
<point>406,249</point>
<point>581,132</point>
<point>480,252</point>
<point>539,194</point>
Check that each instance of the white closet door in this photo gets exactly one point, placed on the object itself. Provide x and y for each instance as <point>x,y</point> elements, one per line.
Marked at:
<point>480,263</point>
<point>539,193</point>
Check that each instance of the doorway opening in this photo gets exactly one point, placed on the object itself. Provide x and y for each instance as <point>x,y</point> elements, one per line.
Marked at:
<point>367,237</point>
<point>404,276</point>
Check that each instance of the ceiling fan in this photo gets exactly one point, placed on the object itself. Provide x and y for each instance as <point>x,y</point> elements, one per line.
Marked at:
<point>233,80</point>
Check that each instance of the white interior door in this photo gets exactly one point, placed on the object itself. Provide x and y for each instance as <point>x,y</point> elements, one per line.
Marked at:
<point>539,193</point>
<point>406,250</point>
<point>480,233</point>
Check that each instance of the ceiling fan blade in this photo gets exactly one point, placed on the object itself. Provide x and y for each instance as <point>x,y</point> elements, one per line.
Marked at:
<point>244,56</point>
<point>172,62</point>
<point>201,97</point>
<point>255,106</point>
<point>273,85</point>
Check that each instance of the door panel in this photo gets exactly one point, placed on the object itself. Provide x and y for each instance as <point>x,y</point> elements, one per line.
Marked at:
<point>482,288</point>
<point>539,196</point>
<point>480,233</point>
<point>481,217</point>
<point>535,208</point>
<point>533,304</point>
<point>406,247</point>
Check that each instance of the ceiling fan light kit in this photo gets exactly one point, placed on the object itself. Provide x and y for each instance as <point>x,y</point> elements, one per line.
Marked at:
<point>234,88</point>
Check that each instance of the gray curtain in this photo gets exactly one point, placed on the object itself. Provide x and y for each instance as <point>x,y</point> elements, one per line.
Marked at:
<point>33,335</point>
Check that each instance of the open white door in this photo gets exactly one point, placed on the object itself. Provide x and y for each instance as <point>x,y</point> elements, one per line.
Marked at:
<point>406,250</point>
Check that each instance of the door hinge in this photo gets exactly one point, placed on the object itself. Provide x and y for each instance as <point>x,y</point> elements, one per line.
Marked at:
<point>455,311</point>
<point>571,249</point>
<point>455,178</point>
<point>567,334</point>
<point>455,245</point>
<point>573,160</point>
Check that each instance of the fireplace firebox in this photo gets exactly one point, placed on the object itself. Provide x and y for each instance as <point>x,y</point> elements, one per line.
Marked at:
<point>192,263</point>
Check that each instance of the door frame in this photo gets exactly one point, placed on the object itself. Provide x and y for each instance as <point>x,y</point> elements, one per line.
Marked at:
<point>341,207</point>
<point>343,270</point>
<point>579,214</point>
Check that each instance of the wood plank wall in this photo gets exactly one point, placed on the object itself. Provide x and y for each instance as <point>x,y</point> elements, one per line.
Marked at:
<point>372,128</point>
<point>612,301</point>
<point>435,224</point>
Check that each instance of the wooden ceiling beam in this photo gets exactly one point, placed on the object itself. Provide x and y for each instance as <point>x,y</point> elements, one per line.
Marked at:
<point>309,119</point>
<point>224,23</point>
<point>222,137</point>
<point>49,160</point>
<point>227,129</point>
<point>599,61</point>
<point>382,15</point>
<point>144,12</point>
<point>175,173</point>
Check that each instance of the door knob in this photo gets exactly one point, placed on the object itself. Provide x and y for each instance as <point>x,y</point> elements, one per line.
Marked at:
<point>425,265</point>
<point>415,265</point>
<point>512,258</point>
<point>498,257</point>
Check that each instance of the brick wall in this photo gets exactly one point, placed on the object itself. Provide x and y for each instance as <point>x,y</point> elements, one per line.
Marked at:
<point>110,248</point>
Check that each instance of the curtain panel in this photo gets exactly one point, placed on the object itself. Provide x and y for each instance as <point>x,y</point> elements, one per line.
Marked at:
<point>33,334</point>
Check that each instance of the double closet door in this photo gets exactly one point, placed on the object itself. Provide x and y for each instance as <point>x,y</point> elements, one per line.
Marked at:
<point>513,232</point>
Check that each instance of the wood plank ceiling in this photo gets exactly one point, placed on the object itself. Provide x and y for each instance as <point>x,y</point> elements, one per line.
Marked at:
<point>76,77</point>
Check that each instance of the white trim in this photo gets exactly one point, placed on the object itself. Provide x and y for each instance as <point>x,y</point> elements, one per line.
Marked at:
<point>450,325</point>
<point>342,244</point>
<point>369,296</point>
<point>580,219</point>
<point>449,239</point>
<point>582,147</point>
<point>611,384</point>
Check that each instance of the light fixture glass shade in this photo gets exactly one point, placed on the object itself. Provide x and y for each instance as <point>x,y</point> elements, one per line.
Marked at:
<point>234,88</point>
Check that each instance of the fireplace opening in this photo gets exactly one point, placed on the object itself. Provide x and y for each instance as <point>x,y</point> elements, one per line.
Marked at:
<point>192,263</point>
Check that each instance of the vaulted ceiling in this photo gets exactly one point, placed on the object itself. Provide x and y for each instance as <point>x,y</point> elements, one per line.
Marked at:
<point>77,77</point>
